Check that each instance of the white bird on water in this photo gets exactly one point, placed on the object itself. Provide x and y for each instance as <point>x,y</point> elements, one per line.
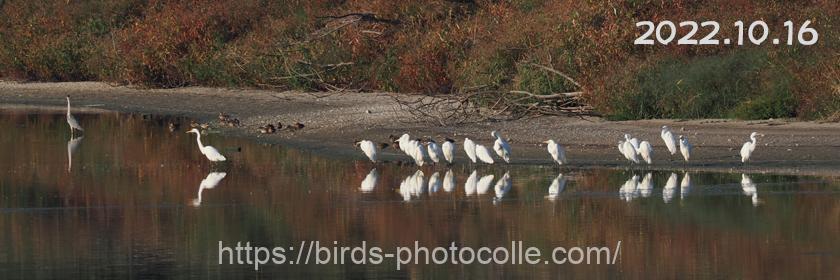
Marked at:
<point>211,153</point>
<point>669,139</point>
<point>748,148</point>
<point>74,124</point>
<point>417,152</point>
<point>558,154</point>
<point>469,148</point>
<point>483,154</point>
<point>369,148</point>
<point>685,148</point>
<point>434,150</point>
<point>501,146</point>
<point>448,148</point>
<point>646,151</point>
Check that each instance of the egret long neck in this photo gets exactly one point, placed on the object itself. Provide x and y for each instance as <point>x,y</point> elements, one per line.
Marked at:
<point>752,137</point>
<point>68,106</point>
<point>198,139</point>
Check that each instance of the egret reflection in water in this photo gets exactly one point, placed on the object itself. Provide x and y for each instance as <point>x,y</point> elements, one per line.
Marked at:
<point>503,186</point>
<point>749,189</point>
<point>472,183</point>
<point>557,186</point>
<point>209,182</point>
<point>369,183</point>
<point>72,145</point>
<point>435,182</point>
<point>670,188</point>
<point>484,184</point>
<point>413,186</point>
<point>449,181</point>
<point>645,188</point>
<point>685,186</point>
<point>627,192</point>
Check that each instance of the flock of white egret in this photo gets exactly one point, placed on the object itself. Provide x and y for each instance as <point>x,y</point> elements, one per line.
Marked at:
<point>631,148</point>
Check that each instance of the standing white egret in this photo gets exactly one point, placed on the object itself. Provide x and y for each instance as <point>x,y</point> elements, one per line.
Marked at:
<point>483,154</point>
<point>558,154</point>
<point>471,184</point>
<point>448,148</point>
<point>503,186</point>
<point>484,184</point>
<point>632,141</point>
<point>403,142</point>
<point>369,183</point>
<point>469,148</point>
<point>670,186</point>
<point>685,186</point>
<point>646,151</point>
<point>557,186</point>
<point>212,179</point>
<point>626,148</point>
<point>211,153</point>
<point>669,139</point>
<point>369,148</point>
<point>749,189</point>
<point>501,146</point>
<point>685,148</point>
<point>434,150</point>
<point>74,124</point>
<point>449,181</point>
<point>748,148</point>
<point>418,152</point>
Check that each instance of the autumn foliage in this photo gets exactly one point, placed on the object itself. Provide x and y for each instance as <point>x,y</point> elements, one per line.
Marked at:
<point>436,47</point>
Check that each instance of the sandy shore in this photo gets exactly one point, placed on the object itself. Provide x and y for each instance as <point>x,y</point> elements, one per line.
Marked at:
<point>333,121</point>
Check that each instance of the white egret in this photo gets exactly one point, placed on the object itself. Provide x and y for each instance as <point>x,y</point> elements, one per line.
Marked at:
<point>471,184</point>
<point>449,181</point>
<point>632,141</point>
<point>435,182</point>
<point>501,146</point>
<point>628,190</point>
<point>74,124</point>
<point>626,148</point>
<point>484,184</point>
<point>748,148</point>
<point>209,182</point>
<point>211,153</point>
<point>685,185</point>
<point>646,151</point>
<point>558,154</point>
<point>448,148</point>
<point>557,186</point>
<point>483,154</point>
<point>369,183</point>
<point>685,147</point>
<point>503,186</point>
<point>469,148</point>
<point>403,142</point>
<point>668,190</point>
<point>669,139</point>
<point>646,186</point>
<point>434,151</point>
<point>749,188</point>
<point>369,148</point>
<point>72,145</point>
<point>417,152</point>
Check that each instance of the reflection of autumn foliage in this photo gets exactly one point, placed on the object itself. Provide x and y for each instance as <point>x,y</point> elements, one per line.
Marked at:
<point>127,201</point>
<point>436,47</point>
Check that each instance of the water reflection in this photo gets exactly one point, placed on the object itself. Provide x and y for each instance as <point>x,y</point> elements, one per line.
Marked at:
<point>685,186</point>
<point>557,186</point>
<point>435,183</point>
<point>484,184</point>
<point>209,182</point>
<point>127,213</point>
<point>72,145</point>
<point>369,183</point>
<point>749,189</point>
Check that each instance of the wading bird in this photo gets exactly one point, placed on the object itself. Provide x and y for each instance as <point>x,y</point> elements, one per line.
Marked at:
<point>748,148</point>
<point>669,139</point>
<point>74,124</point>
<point>558,154</point>
<point>632,141</point>
<point>501,146</point>
<point>434,150</point>
<point>469,148</point>
<point>627,150</point>
<point>211,153</point>
<point>418,152</point>
<point>685,148</point>
<point>646,151</point>
<point>483,154</point>
<point>369,148</point>
<point>449,150</point>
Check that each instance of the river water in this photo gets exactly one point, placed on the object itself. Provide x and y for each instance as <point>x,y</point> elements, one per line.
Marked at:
<point>132,199</point>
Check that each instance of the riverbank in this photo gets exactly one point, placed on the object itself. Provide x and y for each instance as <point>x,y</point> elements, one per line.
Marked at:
<point>333,121</point>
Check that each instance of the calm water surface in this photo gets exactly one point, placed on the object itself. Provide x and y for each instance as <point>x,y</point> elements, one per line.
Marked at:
<point>133,200</point>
